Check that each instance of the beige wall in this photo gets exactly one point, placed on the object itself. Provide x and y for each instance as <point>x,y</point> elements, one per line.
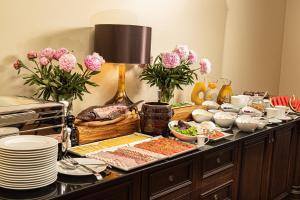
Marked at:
<point>253,43</point>
<point>242,38</point>
<point>289,80</point>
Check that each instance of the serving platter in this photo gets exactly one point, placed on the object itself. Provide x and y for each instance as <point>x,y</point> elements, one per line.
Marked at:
<point>106,144</point>
<point>118,163</point>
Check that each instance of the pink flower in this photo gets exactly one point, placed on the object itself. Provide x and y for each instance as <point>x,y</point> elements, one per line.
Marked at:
<point>59,52</point>
<point>93,62</point>
<point>67,62</point>
<point>44,61</point>
<point>31,55</point>
<point>48,53</point>
<point>205,66</point>
<point>170,60</point>
<point>182,51</point>
<point>17,64</point>
<point>192,58</point>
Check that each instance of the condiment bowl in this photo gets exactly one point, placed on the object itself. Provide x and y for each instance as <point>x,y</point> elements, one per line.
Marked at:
<point>246,123</point>
<point>200,115</point>
<point>225,119</point>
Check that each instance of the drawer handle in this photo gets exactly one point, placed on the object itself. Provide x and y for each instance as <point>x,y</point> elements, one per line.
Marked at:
<point>218,160</point>
<point>216,197</point>
<point>171,178</point>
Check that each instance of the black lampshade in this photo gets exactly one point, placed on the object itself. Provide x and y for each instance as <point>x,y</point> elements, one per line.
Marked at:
<point>127,44</point>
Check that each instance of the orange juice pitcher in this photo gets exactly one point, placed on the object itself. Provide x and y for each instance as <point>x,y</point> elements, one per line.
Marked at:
<point>212,91</point>
<point>225,93</point>
<point>199,89</point>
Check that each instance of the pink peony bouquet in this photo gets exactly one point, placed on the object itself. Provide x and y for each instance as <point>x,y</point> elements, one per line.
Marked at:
<point>171,70</point>
<point>53,72</point>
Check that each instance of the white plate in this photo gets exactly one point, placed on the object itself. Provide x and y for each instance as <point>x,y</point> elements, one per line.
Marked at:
<point>27,186</point>
<point>27,178</point>
<point>225,136</point>
<point>28,171</point>
<point>285,118</point>
<point>274,121</point>
<point>24,159</point>
<point>28,152</point>
<point>80,171</point>
<point>27,142</point>
<point>28,181</point>
<point>8,162</point>
<point>28,159</point>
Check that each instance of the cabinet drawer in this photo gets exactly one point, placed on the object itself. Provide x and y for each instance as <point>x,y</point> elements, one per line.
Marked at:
<point>172,178</point>
<point>218,160</point>
<point>220,193</point>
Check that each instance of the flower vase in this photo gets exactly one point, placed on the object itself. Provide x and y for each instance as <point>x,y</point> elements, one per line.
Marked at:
<point>165,95</point>
<point>67,101</point>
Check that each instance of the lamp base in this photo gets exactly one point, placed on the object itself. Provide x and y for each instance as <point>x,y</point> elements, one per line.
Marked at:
<point>120,98</point>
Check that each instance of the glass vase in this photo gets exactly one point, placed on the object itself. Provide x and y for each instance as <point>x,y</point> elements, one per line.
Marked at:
<point>165,95</point>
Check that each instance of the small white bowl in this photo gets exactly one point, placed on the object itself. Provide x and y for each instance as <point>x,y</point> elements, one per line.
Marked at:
<point>246,123</point>
<point>211,105</point>
<point>200,115</point>
<point>227,107</point>
<point>225,119</point>
<point>180,136</point>
<point>261,122</point>
<point>214,111</point>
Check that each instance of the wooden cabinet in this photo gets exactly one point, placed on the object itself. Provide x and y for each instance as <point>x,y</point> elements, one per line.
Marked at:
<point>260,166</point>
<point>174,181</point>
<point>281,151</point>
<point>218,168</point>
<point>254,163</point>
<point>265,165</point>
<point>295,165</point>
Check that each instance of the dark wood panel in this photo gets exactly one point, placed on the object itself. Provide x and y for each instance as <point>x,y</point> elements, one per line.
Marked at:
<point>181,174</point>
<point>218,160</point>
<point>280,163</point>
<point>120,192</point>
<point>222,192</point>
<point>294,174</point>
<point>252,168</point>
<point>211,182</point>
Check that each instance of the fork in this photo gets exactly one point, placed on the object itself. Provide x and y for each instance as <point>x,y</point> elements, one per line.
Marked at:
<point>75,163</point>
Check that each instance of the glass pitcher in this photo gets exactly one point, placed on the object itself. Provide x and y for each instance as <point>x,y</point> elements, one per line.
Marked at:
<point>225,93</point>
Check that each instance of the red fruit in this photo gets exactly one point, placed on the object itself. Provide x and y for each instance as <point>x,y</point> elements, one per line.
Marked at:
<point>294,104</point>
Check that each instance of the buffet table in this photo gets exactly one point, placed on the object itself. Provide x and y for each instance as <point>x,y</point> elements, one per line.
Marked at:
<point>261,165</point>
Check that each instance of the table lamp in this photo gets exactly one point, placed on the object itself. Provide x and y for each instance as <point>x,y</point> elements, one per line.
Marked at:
<point>123,44</point>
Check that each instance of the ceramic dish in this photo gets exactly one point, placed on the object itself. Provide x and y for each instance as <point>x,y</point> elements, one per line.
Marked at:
<point>246,123</point>
<point>200,115</point>
<point>261,122</point>
<point>251,111</point>
<point>179,135</point>
<point>94,164</point>
<point>227,107</point>
<point>211,105</point>
<point>225,119</point>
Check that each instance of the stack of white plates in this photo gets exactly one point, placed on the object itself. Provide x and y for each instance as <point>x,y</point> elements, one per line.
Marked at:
<point>27,161</point>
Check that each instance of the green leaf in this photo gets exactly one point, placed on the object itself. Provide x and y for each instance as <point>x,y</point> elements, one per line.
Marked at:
<point>94,73</point>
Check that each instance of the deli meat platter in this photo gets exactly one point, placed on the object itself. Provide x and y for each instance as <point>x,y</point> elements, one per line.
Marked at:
<point>141,153</point>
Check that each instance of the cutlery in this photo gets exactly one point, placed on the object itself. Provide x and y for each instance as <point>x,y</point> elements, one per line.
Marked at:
<point>75,163</point>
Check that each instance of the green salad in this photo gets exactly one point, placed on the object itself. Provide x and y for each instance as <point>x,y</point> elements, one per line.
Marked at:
<point>180,104</point>
<point>191,131</point>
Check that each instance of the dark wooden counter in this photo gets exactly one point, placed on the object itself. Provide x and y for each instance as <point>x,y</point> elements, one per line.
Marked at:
<point>258,166</point>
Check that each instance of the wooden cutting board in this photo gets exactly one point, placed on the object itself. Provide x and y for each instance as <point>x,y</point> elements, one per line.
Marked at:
<point>88,133</point>
<point>185,113</point>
